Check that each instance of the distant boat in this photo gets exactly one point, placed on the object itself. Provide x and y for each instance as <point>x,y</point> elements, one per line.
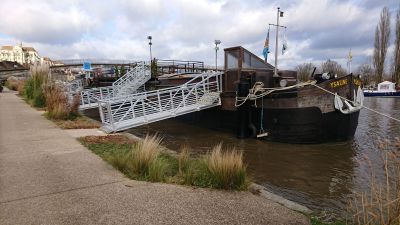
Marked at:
<point>385,89</point>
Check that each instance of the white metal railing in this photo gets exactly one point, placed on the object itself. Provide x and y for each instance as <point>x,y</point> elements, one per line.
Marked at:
<point>124,112</point>
<point>90,97</point>
<point>132,80</point>
<point>94,61</point>
<point>75,86</point>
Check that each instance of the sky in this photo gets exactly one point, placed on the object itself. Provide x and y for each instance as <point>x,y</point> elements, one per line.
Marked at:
<point>317,30</point>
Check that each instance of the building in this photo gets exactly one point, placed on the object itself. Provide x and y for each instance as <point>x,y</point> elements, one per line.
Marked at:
<point>22,55</point>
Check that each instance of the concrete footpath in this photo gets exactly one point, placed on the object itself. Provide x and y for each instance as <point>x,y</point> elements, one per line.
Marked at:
<point>48,177</point>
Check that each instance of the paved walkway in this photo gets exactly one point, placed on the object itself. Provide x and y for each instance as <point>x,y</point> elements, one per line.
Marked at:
<point>47,177</point>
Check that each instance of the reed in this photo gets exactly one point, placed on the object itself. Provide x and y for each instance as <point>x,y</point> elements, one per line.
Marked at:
<point>226,168</point>
<point>381,203</point>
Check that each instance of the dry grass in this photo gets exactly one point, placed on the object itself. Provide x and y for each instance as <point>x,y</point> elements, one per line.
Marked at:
<point>12,84</point>
<point>144,153</point>
<point>113,139</point>
<point>20,88</point>
<point>381,204</point>
<point>227,168</point>
<point>77,123</point>
<point>58,105</point>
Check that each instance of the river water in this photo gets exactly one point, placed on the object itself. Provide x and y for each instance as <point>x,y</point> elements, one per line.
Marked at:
<point>320,176</point>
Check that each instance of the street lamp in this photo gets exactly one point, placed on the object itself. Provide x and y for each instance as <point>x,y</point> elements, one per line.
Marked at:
<point>216,42</point>
<point>149,37</point>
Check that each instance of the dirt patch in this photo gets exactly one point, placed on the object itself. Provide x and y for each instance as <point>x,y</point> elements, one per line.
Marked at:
<point>114,139</point>
<point>77,123</point>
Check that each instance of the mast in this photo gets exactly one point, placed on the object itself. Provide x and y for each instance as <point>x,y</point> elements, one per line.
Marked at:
<point>276,44</point>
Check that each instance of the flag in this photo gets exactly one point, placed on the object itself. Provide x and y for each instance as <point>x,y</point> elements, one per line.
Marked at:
<point>266,47</point>
<point>284,45</point>
<point>350,56</point>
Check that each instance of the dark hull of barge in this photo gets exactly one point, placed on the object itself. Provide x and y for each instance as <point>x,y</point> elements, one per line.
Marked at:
<point>298,115</point>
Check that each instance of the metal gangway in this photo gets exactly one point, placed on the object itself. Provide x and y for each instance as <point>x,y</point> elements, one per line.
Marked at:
<point>124,112</point>
<point>133,81</point>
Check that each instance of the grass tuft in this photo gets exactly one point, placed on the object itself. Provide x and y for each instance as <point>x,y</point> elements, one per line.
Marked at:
<point>145,160</point>
<point>226,168</point>
<point>144,153</point>
<point>157,170</point>
<point>183,159</point>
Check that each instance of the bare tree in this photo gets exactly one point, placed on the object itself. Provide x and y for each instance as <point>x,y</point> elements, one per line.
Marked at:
<point>381,43</point>
<point>334,67</point>
<point>304,71</point>
<point>366,71</point>
<point>396,58</point>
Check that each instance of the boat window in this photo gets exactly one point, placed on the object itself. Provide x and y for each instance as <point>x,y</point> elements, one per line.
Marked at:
<point>232,59</point>
<point>251,61</point>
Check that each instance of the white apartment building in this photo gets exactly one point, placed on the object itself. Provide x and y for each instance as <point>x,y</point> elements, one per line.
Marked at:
<point>20,54</point>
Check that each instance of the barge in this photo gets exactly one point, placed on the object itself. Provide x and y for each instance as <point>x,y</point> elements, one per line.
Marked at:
<point>254,103</point>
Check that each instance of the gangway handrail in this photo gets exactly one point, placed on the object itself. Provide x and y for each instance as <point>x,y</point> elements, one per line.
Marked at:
<point>125,85</point>
<point>122,112</point>
<point>116,98</point>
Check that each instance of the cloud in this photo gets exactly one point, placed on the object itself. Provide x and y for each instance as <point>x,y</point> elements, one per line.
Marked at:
<point>183,29</point>
<point>44,22</point>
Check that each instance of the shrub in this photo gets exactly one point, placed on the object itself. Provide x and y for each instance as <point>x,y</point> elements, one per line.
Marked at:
<point>39,99</point>
<point>12,83</point>
<point>20,87</point>
<point>226,168</point>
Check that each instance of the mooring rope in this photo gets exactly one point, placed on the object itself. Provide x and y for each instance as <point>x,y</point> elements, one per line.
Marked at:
<point>372,110</point>
<point>268,91</point>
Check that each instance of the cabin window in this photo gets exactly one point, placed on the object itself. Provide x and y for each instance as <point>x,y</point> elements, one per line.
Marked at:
<point>251,61</point>
<point>384,87</point>
<point>232,59</point>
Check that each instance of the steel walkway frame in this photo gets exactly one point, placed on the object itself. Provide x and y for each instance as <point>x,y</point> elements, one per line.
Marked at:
<point>132,82</point>
<point>124,112</point>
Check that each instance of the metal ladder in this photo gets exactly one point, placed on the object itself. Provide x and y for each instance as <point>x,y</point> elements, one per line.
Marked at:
<point>124,112</point>
<point>130,83</point>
